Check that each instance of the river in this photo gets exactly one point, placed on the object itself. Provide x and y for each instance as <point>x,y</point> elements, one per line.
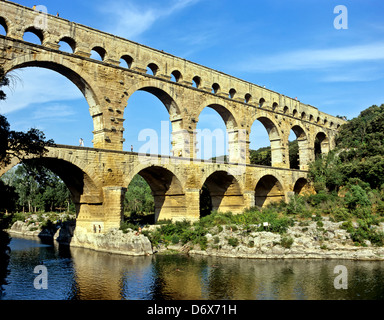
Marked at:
<point>82,274</point>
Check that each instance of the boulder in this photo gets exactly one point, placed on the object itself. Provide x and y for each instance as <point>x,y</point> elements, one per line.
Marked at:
<point>114,241</point>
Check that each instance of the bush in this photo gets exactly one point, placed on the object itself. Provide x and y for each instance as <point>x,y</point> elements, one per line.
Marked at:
<point>341,214</point>
<point>296,205</point>
<point>356,196</point>
<point>286,242</point>
<point>234,242</point>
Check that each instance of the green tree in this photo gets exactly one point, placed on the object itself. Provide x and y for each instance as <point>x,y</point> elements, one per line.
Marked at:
<point>16,143</point>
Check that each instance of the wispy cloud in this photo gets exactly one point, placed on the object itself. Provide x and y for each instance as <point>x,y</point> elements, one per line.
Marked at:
<point>34,86</point>
<point>310,59</point>
<point>131,20</point>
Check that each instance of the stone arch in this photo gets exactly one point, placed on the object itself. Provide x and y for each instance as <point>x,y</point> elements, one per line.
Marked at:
<point>70,41</point>
<point>268,189</point>
<point>154,68</point>
<point>321,144</point>
<point>153,87</point>
<point>101,51</point>
<point>232,93</point>
<point>225,192</point>
<point>81,183</point>
<point>303,145</point>
<point>301,186</point>
<point>225,113</point>
<point>71,72</point>
<point>4,23</point>
<point>232,135</point>
<point>128,60</point>
<point>67,71</point>
<point>274,139</point>
<point>177,74</point>
<point>167,191</point>
<point>215,88</point>
<point>196,81</point>
<point>37,32</point>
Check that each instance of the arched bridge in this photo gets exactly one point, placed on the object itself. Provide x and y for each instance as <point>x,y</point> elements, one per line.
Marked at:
<point>98,177</point>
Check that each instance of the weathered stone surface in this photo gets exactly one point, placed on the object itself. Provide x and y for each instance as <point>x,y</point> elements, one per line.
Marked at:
<point>113,241</point>
<point>306,244</point>
<point>98,177</point>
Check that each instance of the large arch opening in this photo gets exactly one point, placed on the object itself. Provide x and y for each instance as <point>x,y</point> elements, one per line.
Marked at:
<point>3,27</point>
<point>214,132</point>
<point>321,144</point>
<point>298,148</point>
<point>221,191</point>
<point>260,145</point>
<point>139,204</point>
<point>266,138</point>
<point>67,44</point>
<point>34,35</point>
<point>148,125</point>
<point>42,98</point>
<point>268,190</point>
<point>302,187</point>
<point>167,192</point>
<point>47,180</point>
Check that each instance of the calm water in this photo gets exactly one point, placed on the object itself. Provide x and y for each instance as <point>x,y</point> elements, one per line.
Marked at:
<point>87,275</point>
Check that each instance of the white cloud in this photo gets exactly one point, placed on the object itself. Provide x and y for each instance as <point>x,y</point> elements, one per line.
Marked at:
<point>310,59</point>
<point>37,86</point>
<point>130,20</point>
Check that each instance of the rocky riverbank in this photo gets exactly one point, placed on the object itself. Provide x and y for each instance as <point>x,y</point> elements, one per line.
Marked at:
<point>301,241</point>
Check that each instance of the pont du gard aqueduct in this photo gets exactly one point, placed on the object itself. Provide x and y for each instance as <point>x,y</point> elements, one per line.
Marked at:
<point>98,177</point>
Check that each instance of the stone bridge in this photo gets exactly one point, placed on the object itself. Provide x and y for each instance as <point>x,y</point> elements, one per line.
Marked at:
<point>99,176</point>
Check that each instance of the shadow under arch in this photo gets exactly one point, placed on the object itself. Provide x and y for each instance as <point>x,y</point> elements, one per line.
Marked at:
<point>321,145</point>
<point>222,192</point>
<point>81,185</point>
<point>167,191</point>
<point>302,187</point>
<point>268,189</point>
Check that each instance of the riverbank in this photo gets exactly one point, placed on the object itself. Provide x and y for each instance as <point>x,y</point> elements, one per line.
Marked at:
<point>302,240</point>
<point>309,240</point>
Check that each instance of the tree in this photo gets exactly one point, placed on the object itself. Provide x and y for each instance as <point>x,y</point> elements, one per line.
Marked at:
<point>16,143</point>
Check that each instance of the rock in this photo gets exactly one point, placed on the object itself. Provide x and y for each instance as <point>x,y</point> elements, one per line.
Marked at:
<point>114,241</point>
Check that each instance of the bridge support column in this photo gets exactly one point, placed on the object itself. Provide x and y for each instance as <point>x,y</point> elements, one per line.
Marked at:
<point>249,199</point>
<point>238,146</point>
<point>279,154</point>
<point>101,217</point>
<point>113,206</point>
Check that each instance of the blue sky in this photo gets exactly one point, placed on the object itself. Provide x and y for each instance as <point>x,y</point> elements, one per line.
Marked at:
<point>291,47</point>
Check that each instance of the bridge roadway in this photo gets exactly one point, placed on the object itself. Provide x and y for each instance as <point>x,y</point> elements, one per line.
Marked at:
<point>99,178</point>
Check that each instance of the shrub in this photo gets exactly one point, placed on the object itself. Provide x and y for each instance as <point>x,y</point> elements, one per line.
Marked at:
<point>296,205</point>
<point>356,196</point>
<point>341,214</point>
<point>286,242</point>
<point>175,239</point>
<point>234,242</point>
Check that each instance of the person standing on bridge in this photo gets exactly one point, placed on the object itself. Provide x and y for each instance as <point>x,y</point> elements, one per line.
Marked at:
<point>81,142</point>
